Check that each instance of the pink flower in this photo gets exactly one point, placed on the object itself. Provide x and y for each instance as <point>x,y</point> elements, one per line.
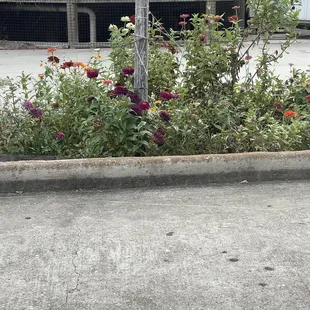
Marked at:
<point>184,16</point>
<point>182,23</point>
<point>107,82</point>
<point>236,7</point>
<point>60,135</point>
<point>248,57</point>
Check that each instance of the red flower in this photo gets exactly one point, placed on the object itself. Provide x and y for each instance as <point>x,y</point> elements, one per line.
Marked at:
<point>53,59</point>
<point>308,97</point>
<point>290,113</point>
<point>132,19</point>
<point>128,71</point>
<point>67,64</point>
<point>144,105</point>
<point>233,19</point>
<point>92,74</point>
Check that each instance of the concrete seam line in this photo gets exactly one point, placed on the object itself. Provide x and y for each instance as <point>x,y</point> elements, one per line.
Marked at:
<point>130,167</point>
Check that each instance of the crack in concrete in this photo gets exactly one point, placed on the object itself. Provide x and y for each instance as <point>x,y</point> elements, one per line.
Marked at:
<point>75,255</point>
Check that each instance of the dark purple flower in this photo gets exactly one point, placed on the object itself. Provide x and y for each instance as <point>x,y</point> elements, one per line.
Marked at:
<point>128,71</point>
<point>134,98</point>
<point>90,99</point>
<point>120,90</point>
<point>36,112</point>
<point>158,138</point>
<point>92,74</point>
<point>60,135</point>
<point>165,116</point>
<point>53,59</point>
<point>144,105</point>
<point>166,95</point>
<point>28,105</point>
<point>136,109</point>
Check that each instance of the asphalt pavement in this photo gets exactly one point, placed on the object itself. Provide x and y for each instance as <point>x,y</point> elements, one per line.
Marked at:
<point>238,246</point>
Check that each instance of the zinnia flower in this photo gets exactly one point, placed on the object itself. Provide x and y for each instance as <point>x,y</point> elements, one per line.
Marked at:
<point>90,99</point>
<point>290,113</point>
<point>233,19</point>
<point>217,18</point>
<point>136,109</point>
<point>182,23</point>
<point>144,105</point>
<point>308,97</point>
<point>202,37</point>
<point>132,19</point>
<point>79,64</point>
<point>67,64</point>
<point>28,105</point>
<point>107,82</point>
<point>128,71</point>
<point>36,112</point>
<point>51,50</point>
<point>158,137</point>
<point>168,96</point>
<point>236,7</point>
<point>184,16</point>
<point>248,57</point>
<point>60,135</point>
<point>53,59</point>
<point>165,116</point>
<point>120,90</point>
<point>278,105</point>
<point>134,98</point>
<point>92,74</point>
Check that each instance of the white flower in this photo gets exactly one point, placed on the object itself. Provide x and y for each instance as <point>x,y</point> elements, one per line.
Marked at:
<point>125,31</point>
<point>125,19</point>
<point>97,49</point>
<point>112,27</point>
<point>130,26</point>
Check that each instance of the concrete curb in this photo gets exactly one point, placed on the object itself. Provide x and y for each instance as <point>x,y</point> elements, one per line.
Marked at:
<point>116,173</point>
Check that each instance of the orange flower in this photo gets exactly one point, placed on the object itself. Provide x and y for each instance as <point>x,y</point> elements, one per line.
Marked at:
<point>233,19</point>
<point>41,76</point>
<point>79,64</point>
<point>51,50</point>
<point>88,68</point>
<point>41,64</point>
<point>290,113</point>
<point>308,97</point>
<point>122,101</point>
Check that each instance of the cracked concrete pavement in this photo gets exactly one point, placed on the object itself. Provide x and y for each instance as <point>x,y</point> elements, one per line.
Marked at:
<point>237,246</point>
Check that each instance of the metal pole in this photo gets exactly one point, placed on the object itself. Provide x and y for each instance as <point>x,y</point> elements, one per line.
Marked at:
<point>141,48</point>
<point>72,23</point>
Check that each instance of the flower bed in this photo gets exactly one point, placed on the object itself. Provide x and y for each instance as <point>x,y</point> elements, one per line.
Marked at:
<point>197,101</point>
